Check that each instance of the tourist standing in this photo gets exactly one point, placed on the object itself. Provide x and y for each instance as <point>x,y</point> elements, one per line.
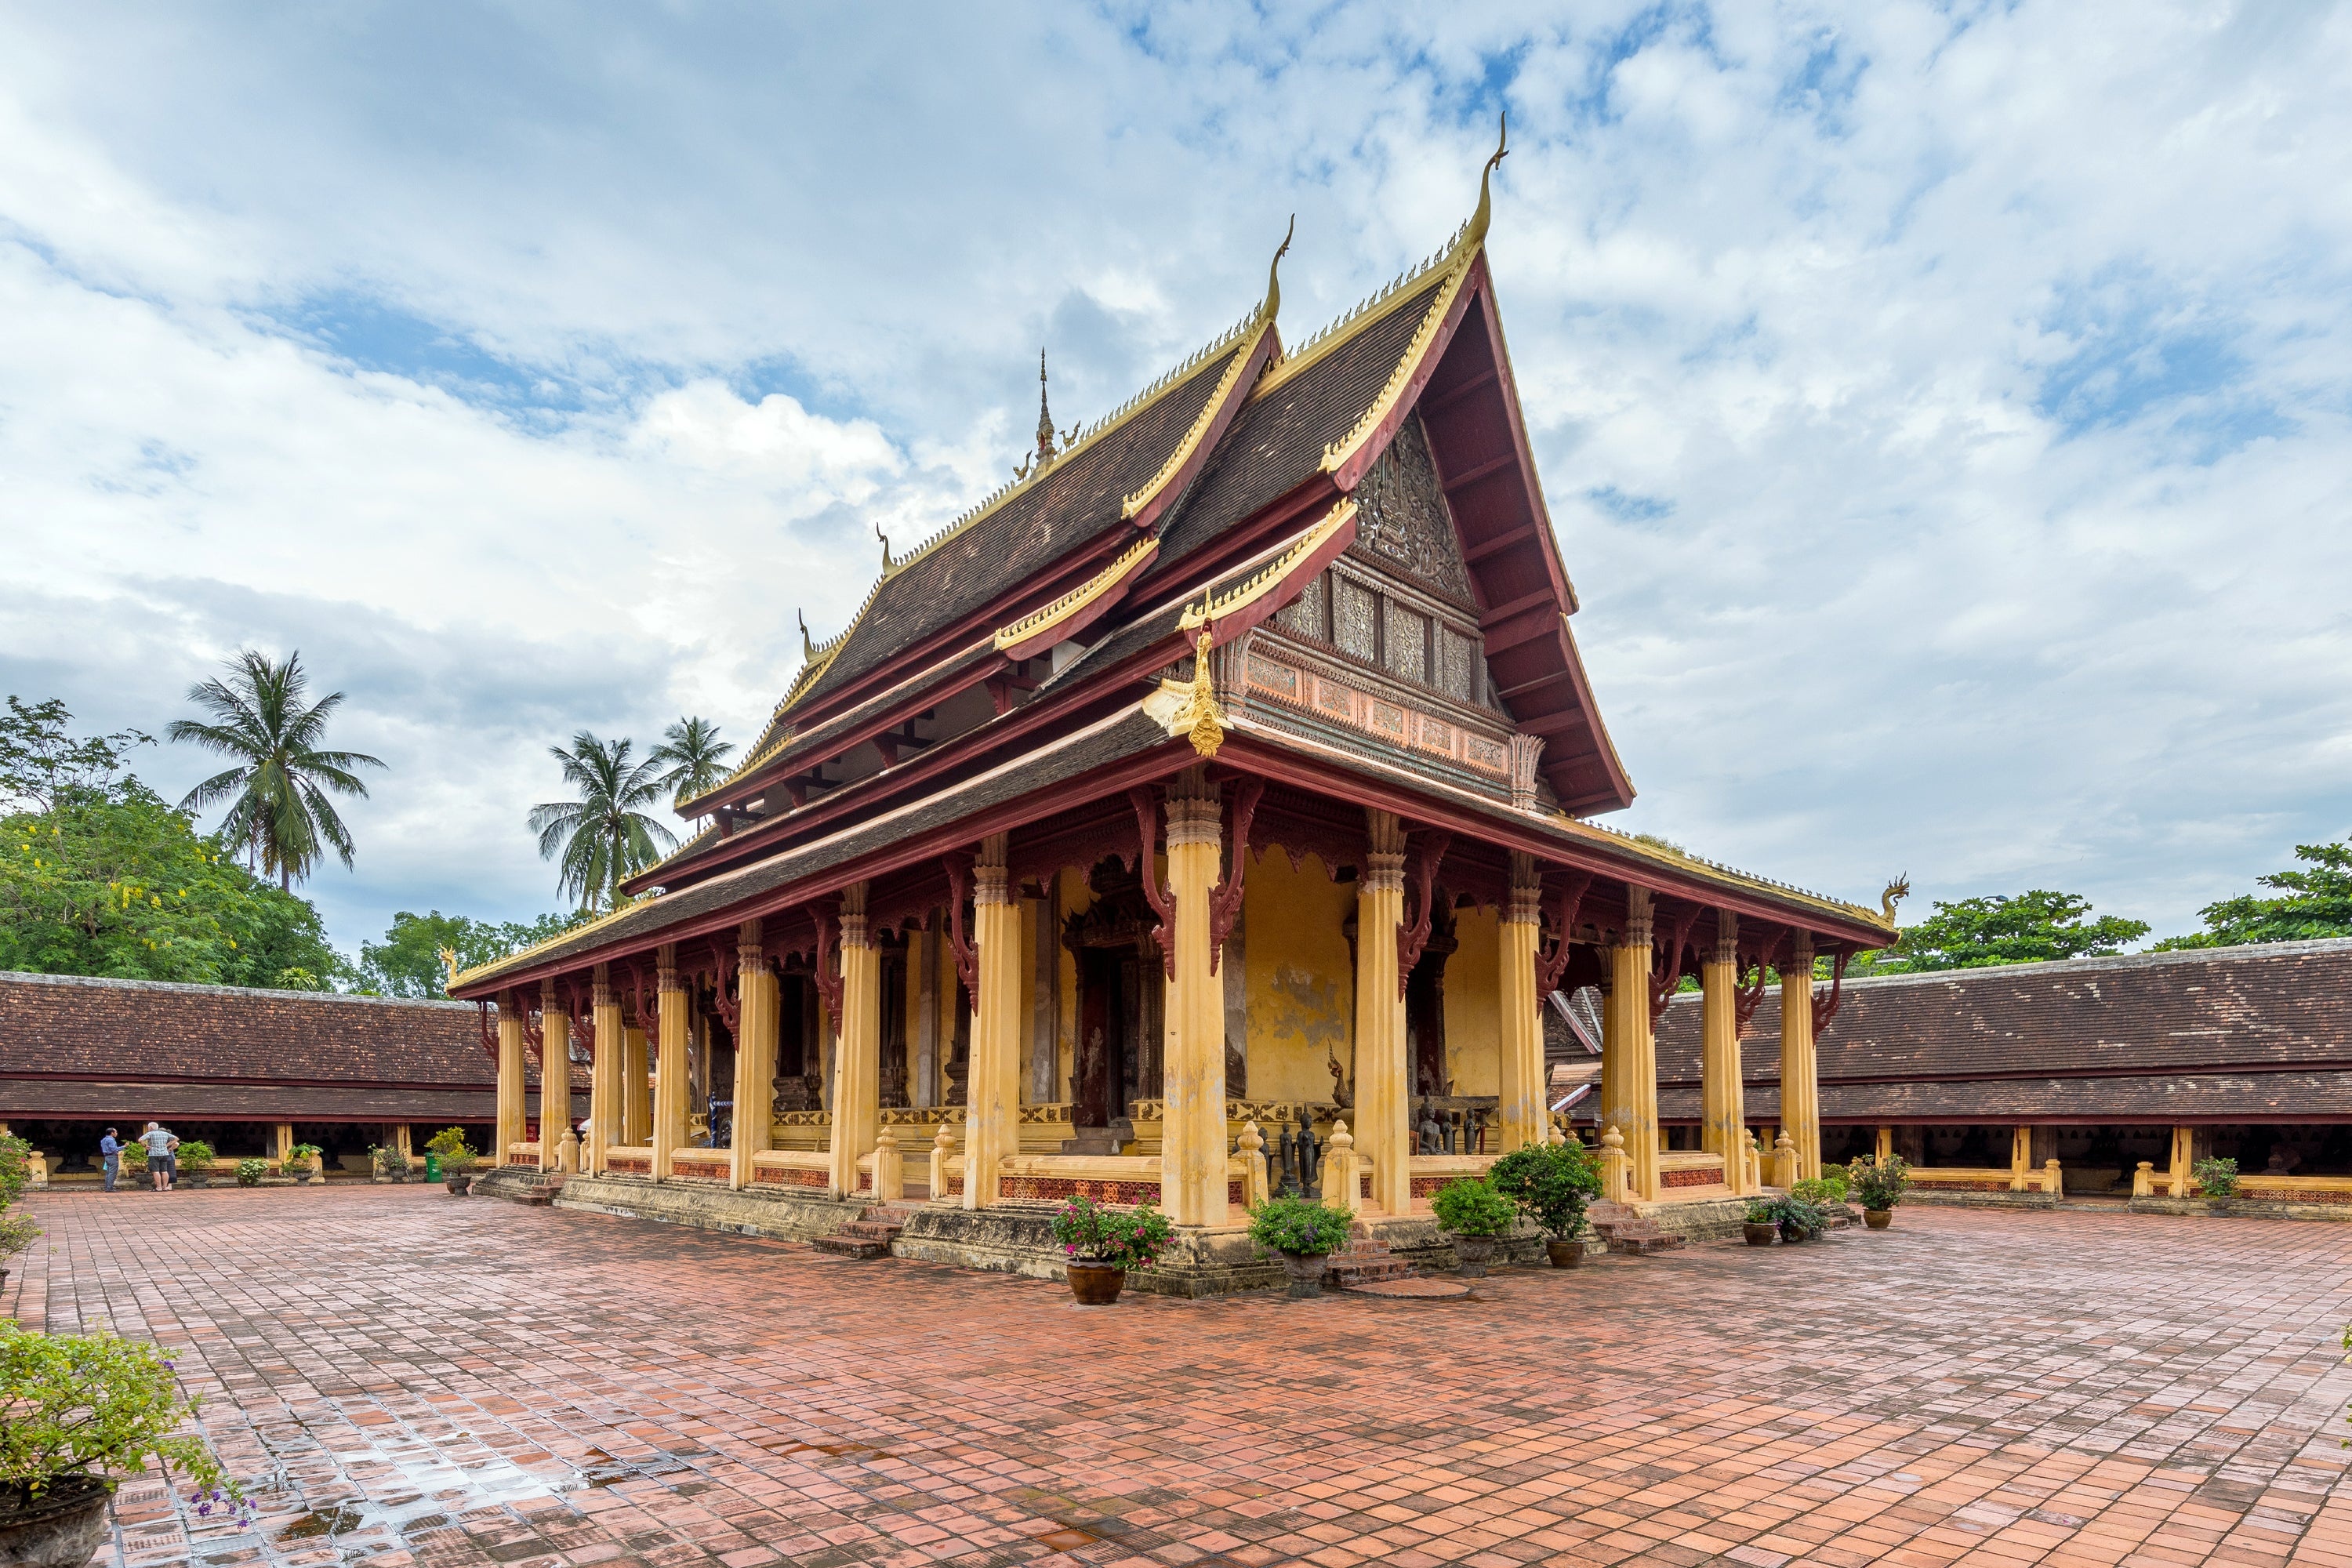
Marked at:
<point>109,1157</point>
<point>159,1144</point>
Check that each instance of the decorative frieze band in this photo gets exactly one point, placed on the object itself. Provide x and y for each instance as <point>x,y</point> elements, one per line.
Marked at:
<point>1382,717</point>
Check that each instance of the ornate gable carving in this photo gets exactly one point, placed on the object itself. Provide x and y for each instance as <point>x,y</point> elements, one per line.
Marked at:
<point>1403,524</point>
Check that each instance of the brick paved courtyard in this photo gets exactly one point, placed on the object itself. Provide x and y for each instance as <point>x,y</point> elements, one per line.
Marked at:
<point>419,1379</point>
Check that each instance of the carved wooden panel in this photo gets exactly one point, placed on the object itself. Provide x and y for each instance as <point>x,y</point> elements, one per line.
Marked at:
<point>1402,522</point>
<point>1457,666</point>
<point>1407,648</point>
<point>1309,614</point>
<point>1355,617</point>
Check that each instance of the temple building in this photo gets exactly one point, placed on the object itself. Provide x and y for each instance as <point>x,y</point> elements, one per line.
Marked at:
<point>1206,811</point>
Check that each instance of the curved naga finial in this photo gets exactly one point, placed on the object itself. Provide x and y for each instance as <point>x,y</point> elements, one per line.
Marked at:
<point>448,957</point>
<point>1896,891</point>
<point>808,648</point>
<point>1272,305</point>
<point>1477,230</point>
<point>887,562</point>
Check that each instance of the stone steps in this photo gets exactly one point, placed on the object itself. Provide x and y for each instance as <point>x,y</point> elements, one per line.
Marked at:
<point>868,1235</point>
<point>1366,1261</point>
<point>1622,1230</point>
<point>540,1193</point>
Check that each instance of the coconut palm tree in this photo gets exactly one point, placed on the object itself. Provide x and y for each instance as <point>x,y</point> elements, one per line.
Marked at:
<point>279,789</point>
<point>694,754</point>
<point>605,837</point>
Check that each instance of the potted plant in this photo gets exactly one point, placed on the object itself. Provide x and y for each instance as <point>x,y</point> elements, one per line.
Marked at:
<point>1305,1232</point>
<point>1762,1226</point>
<point>1103,1244</point>
<point>457,1171</point>
<point>442,1153</point>
<point>1799,1217</point>
<point>250,1172</point>
<point>195,1157</point>
<point>306,1164</point>
<point>1552,1183</point>
<point>1477,1217</point>
<point>78,1411</point>
<point>2218,1180</point>
<point>1880,1187</point>
<point>391,1164</point>
<point>16,1230</point>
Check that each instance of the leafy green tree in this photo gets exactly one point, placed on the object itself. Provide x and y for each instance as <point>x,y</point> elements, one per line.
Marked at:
<point>278,790</point>
<point>2312,903</point>
<point>694,755</point>
<point>2030,927</point>
<point>102,878</point>
<point>408,962</point>
<point>605,837</point>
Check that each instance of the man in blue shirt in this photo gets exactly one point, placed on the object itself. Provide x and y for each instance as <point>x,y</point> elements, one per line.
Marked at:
<point>110,1149</point>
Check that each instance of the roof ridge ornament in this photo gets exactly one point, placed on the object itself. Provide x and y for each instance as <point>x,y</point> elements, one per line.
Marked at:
<point>808,648</point>
<point>1272,305</point>
<point>1476,229</point>
<point>887,565</point>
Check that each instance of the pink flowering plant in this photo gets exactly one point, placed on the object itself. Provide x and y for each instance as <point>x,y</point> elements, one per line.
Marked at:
<point>1123,1238</point>
<point>82,1410</point>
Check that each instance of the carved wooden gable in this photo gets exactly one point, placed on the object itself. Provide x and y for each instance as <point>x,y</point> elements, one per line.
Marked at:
<point>1402,524</point>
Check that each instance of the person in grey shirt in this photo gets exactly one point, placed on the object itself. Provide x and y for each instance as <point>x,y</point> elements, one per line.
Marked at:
<point>160,1163</point>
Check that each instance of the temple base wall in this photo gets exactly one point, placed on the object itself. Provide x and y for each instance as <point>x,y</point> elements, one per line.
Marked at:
<point>1967,1200</point>
<point>1704,1219</point>
<point>2241,1209</point>
<point>782,1215</point>
<point>1018,1238</point>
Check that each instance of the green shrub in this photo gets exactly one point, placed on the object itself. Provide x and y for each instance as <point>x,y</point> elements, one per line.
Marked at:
<point>1881,1186</point>
<point>1838,1182</point>
<point>250,1172</point>
<point>134,1158</point>
<point>389,1160</point>
<point>300,1155</point>
<point>1791,1213</point>
<point>94,1406</point>
<point>1820,1191</point>
<point>2215,1178</point>
<point>445,1142</point>
<point>1125,1238</point>
<point>1550,1183</point>
<point>1759,1212</point>
<point>1302,1226</point>
<point>1470,1208</point>
<point>16,1168</point>
<point>195,1157</point>
<point>457,1162</point>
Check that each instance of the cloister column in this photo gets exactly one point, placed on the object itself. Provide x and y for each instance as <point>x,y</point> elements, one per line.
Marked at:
<point>1724,1129</point>
<point>857,1085</point>
<point>636,1118</point>
<point>1801,1091</point>
<point>513,1079</point>
<point>669,1096</point>
<point>1383,1084</point>
<point>1519,1081</point>
<point>1192,1062</point>
<point>992,1090</point>
<point>605,1084</point>
<point>1629,1057</point>
<point>555,1078</point>
<point>755,1053</point>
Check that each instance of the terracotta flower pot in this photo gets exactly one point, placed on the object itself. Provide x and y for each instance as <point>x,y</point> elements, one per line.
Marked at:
<point>1565,1254</point>
<point>61,1531</point>
<point>1306,1271</point>
<point>1096,1284</point>
<point>1760,1233</point>
<point>1476,1252</point>
<point>1878,1219</point>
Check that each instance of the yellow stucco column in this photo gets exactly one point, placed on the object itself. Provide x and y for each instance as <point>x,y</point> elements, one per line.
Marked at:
<point>514,1079</point>
<point>636,1090</point>
<point>1885,1144</point>
<point>1629,1060</point>
<point>554,1079</point>
<point>1384,1075</point>
<point>1724,1128</point>
<point>1519,1065</point>
<point>670,1090</point>
<point>857,1083</point>
<point>1801,1091</point>
<point>755,1053</point>
<point>2021,1157</point>
<point>1192,1059</point>
<point>991,1116</point>
<point>608,1085</point>
<point>2181,1160</point>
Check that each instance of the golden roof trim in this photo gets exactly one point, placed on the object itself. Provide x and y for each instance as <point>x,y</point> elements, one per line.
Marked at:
<point>1134,503</point>
<point>481,971</point>
<point>1266,578</point>
<point>1077,598</point>
<point>1337,454</point>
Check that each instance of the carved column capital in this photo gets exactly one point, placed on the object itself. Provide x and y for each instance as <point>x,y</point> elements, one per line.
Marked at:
<point>665,967</point>
<point>1726,937</point>
<point>607,994</point>
<point>1640,923</point>
<point>1524,906</point>
<point>1800,955</point>
<point>1193,818</point>
<point>748,951</point>
<point>1384,866</point>
<point>991,882</point>
<point>855,932</point>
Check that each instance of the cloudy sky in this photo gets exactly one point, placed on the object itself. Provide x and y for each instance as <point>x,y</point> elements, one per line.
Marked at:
<point>1943,408</point>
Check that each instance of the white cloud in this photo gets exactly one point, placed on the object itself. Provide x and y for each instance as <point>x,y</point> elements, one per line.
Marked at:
<point>1943,409</point>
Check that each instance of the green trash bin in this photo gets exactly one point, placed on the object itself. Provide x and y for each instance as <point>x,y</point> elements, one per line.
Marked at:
<point>432,1167</point>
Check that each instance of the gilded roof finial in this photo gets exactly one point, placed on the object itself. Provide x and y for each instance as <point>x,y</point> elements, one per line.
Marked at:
<point>1274,274</point>
<point>1045,416</point>
<point>1477,230</point>
<point>887,562</point>
<point>808,648</point>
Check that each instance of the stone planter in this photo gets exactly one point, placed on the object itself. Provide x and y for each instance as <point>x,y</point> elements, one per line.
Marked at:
<point>1793,1234</point>
<point>192,1180</point>
<point>1096,1284</point>
<point>62,1531</point>
<point>458,1185</point>
<point>1476,1252</point>
<point>1306,1271</point>
<point>1878,1219</point>
<point>1760,1233</point>
<point>1565,1254</point>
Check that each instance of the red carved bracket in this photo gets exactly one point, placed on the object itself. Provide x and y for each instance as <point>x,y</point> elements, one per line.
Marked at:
<point>1565,905</point>
<point>637,1009</point>
<point>1413,939</point>
<point>967,957</point>
<point>1745,998</point>
<point>1825,1007</point>
<point>1664,977</point>
<point>828,916</point>
<point>583,1016</point>
<point>1226,903</point>
<point>489,1030</point>
<point>534,1034</point>
<point>1162,902</point>
<point>725,961</point>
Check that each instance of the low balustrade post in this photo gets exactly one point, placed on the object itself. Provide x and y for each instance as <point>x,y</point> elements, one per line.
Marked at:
<point>1339,1168</point>
<point>942,1148</point>
<point>1616,1167</point>
<point>2144,1180</point>
<point>1252,1144</point>
<point>1784,1160</point>
<point>890,1170</point>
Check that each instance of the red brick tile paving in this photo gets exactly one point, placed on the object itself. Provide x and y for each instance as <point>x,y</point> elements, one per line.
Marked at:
<point>411,1379</point>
